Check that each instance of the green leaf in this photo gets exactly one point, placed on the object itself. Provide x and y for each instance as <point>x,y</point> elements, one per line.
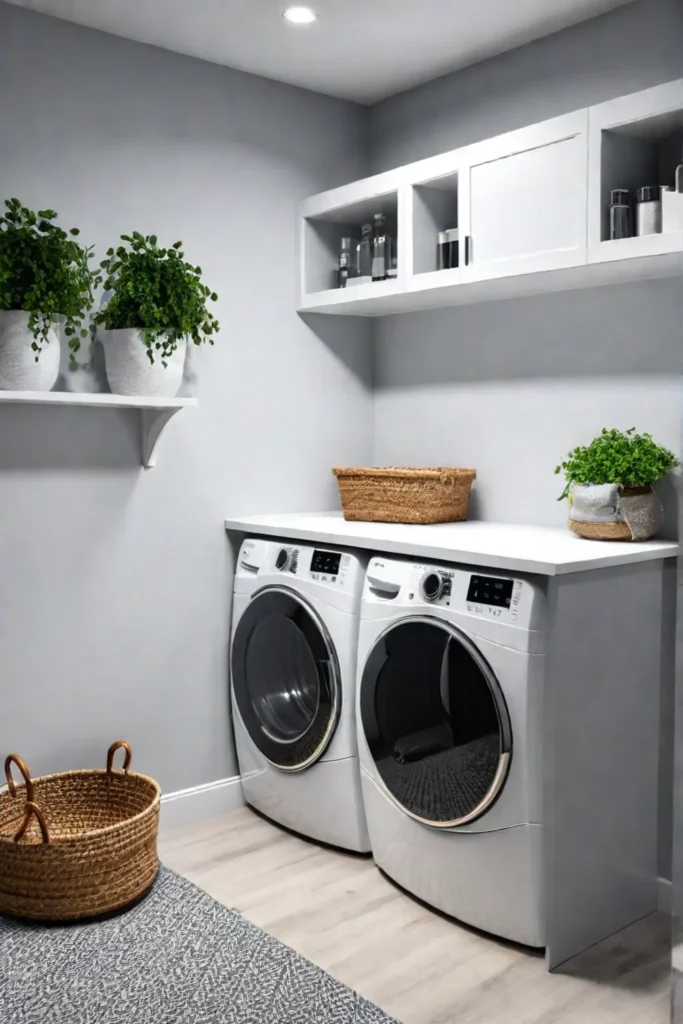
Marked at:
<point>154,290</point>
<point>616,457</point>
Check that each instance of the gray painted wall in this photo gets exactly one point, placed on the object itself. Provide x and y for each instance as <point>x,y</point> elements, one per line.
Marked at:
<point>631,48</point>
<point>115,581</point>
<point>509,387</point>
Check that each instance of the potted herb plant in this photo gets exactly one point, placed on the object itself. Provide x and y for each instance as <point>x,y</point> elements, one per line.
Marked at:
<point>610,486</point>
<point>157,304</point>
<point>45,277</point>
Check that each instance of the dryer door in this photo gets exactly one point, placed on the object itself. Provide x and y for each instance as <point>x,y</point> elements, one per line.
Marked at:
<point>435,721</point>
<point>285,678</point>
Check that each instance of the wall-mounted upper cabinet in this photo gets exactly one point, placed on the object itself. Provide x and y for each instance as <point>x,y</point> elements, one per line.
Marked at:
<point>519,214</point>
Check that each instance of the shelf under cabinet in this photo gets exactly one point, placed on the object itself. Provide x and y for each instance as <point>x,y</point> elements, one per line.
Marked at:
<point>155,413</point>
<point>434,291</point>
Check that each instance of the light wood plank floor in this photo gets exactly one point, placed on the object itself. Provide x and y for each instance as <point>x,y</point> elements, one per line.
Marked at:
<point>341,912</point>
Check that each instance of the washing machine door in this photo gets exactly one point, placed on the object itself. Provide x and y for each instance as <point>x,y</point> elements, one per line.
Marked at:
<point>435,721</point>
<point>285,678</point>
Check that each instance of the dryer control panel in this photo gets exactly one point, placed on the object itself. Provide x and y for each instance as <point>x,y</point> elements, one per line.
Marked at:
<point>284,561</point>
<point>492,596</point>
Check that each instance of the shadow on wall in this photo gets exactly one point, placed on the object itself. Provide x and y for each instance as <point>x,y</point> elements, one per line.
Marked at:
<point>53,438</point>
<point>614,331</point>
<point>349,339</point>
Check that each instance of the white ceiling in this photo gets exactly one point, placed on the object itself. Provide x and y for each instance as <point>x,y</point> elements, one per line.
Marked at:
<point>361,50</point>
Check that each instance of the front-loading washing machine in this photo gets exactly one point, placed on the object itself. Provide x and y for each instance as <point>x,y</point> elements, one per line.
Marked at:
<point>293,679</point>
<point>450,669</point>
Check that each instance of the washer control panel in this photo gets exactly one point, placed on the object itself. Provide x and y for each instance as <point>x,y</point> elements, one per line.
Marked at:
<point>490,596</point>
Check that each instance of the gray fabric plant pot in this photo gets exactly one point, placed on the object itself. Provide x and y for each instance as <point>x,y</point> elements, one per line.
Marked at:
<point>612,512</point>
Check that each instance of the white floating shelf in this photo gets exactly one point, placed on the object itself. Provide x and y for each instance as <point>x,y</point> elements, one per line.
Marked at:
<point>154,412</point>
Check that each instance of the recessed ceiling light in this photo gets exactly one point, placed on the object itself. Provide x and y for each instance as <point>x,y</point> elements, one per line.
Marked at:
<point>300,15</point>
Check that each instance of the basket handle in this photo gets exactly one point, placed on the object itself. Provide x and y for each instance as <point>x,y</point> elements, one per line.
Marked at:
<point>31,807</point>
<point>11,785</point>
<point>112,750</point>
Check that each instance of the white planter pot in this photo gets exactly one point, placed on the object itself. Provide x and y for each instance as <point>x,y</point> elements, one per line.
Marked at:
<point>19,370</point>
<point>129,370</point>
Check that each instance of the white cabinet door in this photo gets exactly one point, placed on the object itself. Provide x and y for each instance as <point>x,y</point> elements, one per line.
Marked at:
<point>522,200</point>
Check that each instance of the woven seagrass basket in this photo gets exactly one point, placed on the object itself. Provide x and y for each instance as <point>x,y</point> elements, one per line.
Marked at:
<point>77,844</point>
<point>398,495</point>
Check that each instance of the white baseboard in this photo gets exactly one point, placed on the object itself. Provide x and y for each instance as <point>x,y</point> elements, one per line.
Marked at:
<point>207,801</point>
<point>665,900</point>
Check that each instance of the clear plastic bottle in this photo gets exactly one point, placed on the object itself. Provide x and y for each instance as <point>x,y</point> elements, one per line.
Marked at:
<point>347,255</point>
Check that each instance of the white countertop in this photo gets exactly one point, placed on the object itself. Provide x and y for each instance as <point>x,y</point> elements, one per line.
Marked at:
<point>546,550</point>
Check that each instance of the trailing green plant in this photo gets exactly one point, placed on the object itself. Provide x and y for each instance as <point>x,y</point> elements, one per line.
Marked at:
<point>617,457</point>
<point>46,272</point>
<point>156,291</point>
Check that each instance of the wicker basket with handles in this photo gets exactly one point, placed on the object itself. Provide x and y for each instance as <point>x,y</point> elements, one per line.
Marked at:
<point>405,495</point>
<point>77,844</point>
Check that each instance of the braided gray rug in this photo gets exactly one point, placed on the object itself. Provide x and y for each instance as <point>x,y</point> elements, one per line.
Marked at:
<point>178,957</point>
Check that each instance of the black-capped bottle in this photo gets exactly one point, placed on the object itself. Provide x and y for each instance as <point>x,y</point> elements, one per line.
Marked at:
<point>364,261</point>
<point>381,248</point>
<point>620,214</point>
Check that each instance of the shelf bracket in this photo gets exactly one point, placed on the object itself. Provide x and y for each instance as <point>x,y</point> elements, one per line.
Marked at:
<point>152,423</point>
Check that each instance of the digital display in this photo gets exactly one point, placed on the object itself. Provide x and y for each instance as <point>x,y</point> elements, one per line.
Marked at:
<point>488,590</point>
<point>326,562</point>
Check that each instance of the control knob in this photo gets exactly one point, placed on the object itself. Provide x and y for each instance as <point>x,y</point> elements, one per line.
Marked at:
<point>432,585</point>
<point>283,559</point>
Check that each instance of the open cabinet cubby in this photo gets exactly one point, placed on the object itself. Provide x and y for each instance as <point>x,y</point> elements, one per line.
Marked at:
<point>435,209</point>
<point>323,234</point>
<point>641,153</point>
<point>636,141</point>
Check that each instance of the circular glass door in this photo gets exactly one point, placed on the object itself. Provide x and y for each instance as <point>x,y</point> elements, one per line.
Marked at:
<point>285,678</point>
<point>435,721</point>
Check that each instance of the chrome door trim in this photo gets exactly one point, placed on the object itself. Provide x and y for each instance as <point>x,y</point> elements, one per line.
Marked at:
<point>504,726</point>
<point>335,679</point>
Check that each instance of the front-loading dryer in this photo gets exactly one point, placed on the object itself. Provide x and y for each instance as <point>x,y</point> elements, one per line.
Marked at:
<point>293,662</point>
<point>450,669</point>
